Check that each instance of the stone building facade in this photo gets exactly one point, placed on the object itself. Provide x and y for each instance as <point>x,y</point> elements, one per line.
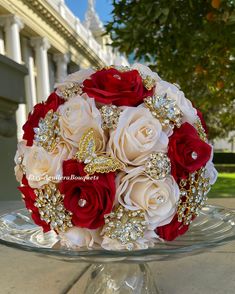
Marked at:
<point>48,42</point>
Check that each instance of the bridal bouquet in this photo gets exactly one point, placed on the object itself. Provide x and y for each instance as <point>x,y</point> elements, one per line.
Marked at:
<point>115,158</point>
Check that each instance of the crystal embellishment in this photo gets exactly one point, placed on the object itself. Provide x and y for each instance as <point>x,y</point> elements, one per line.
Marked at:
<point>200,130</point>
<point>69,90</point>
<point>148,82</point>
<point>47,134</point>
<point>49,202</point>
<point>165,110</point>
<point>82,202</point>
<point>194,155</point>
<point>193,193</point>
<point>158,165</point>
<point>125,226</point>
<point>110,116</point>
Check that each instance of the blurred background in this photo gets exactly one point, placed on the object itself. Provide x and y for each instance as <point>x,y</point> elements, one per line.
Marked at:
<point>191,43</point>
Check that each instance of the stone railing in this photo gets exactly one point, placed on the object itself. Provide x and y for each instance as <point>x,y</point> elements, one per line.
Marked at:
<point>84,33</point>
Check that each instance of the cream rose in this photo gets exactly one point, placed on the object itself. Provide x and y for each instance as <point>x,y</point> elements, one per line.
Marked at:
<point>41,167</point>
<point>76,77</point>
<point>145,71</point>
<point>77,115</point>
<point>189,112</point>
<point>157,198</point>
<point>211,172</point>
<point>80,237</point>
<point>22,149</point>
<point>137,134</point>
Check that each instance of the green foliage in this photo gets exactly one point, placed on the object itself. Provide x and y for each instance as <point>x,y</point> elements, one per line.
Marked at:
<point>188,42</point>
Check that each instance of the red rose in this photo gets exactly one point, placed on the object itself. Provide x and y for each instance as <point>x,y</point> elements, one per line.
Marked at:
<point>29,199</point>
<point>172,230</point>
<point>88,200</point>
<point>110,86</point>
<point>187,151</point>
<point>39,111</point>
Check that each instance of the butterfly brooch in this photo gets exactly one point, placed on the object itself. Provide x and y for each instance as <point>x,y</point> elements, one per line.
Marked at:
<point>95,163</point>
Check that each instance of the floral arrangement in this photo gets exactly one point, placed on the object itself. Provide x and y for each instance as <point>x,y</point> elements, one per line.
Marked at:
<point>115,158</point>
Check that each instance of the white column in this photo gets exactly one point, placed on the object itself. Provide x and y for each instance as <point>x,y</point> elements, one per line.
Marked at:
<point>12,26</point>
<point>30,87</point>
<point>61,61</point>
<point>2,45</point>
<point>41,46</point>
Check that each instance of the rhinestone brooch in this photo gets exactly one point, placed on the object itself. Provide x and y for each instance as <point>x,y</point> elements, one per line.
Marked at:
<point>47,134</point>
<point>200,130</point>
<point>110,116</point>
<point>148,82</point>
<point>125,226</point>
<point>69,90</point>
<point>193,193</point>
<point>158,166</point>
<point>49,202</point>
<point>165,110</point>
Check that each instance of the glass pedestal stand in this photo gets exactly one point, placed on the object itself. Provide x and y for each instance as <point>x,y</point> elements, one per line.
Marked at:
<point>120,272</point>
<point>121,278</point>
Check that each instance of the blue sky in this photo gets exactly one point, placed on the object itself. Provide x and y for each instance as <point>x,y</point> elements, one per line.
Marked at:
<point>79,7</point>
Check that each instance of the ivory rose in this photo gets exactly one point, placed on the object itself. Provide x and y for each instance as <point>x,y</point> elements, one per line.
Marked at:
<point>80,237</point>
<point>21,150</point>
<point>137,135</point>
<point>41,167</point>
<point>211,172</point>
<point>76,77</point>
<point>146,71</point>
<point>157,198</point>
<point>77,115</point>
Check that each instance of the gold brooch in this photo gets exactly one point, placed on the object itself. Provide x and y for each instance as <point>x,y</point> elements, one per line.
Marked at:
<point>200,130</point>
<point>148,82</point>
<point>69,90</point>
<point>165,110</point>
<point>110,116</point>
<point>94,162</point>
<point>47,134</point>
<point>158,166</point>
<point>50,206</point>
<point>193,191</point>
<point>125,226</point>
